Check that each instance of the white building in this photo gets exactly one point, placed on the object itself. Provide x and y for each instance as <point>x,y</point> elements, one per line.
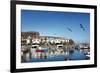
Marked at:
<point>37,41</point>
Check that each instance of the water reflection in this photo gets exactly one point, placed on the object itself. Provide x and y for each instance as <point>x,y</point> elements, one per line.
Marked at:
<point>75,54</point>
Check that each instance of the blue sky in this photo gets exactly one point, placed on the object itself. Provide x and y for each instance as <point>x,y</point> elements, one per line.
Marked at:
<point>52,23</point>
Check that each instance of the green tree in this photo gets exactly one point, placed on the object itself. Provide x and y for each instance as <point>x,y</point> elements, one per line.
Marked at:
<point>71,42</point>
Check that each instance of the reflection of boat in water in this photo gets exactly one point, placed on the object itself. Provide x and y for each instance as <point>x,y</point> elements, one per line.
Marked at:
<point>77,55</point>
<point>42,53</point>
<point>39,54</point>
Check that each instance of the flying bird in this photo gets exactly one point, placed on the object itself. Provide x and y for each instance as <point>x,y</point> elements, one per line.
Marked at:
<point>69,29</point>
<point>82,27</point>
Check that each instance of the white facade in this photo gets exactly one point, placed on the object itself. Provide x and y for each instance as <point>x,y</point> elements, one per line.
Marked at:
<point>36,41</point>
<point>28,40</point>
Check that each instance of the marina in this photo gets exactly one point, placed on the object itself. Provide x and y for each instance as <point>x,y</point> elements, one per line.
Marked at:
<point>54,36</point>
<point>45,52</point>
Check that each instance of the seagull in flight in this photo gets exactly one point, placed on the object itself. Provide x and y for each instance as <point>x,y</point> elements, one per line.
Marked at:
<point>69,29</point>
<point>82,27</point>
